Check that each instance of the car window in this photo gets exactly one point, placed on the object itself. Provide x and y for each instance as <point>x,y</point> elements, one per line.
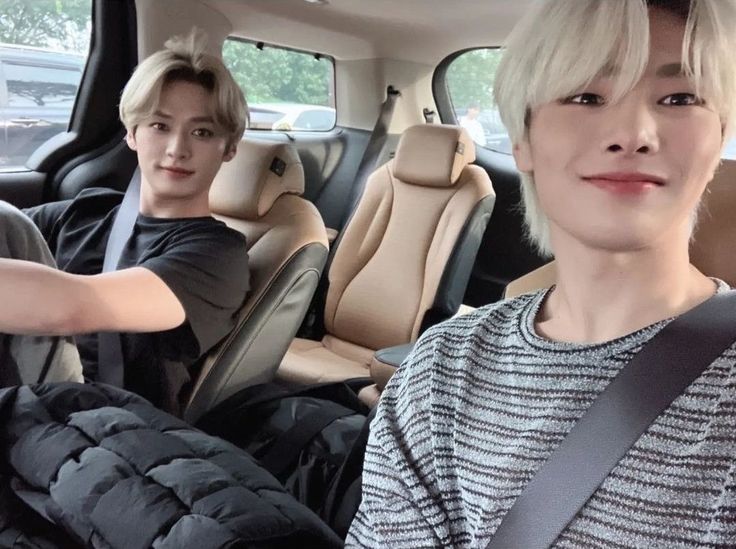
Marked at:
<point>33,86</point>
<point>286,90</point>
<point>315,120</point>
<point>729,151</point>
<point>469,80</point>
<point>43,50</point>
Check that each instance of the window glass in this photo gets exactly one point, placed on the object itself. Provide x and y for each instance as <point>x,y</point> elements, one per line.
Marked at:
<point>286,90</point>
<point>729,151</point>
<point>470,84</point>
<point>43,49</point>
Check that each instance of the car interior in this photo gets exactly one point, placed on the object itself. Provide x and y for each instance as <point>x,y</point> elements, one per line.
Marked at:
<point>346,271</point>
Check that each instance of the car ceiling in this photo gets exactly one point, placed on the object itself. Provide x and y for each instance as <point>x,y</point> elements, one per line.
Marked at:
<point>422,31</point>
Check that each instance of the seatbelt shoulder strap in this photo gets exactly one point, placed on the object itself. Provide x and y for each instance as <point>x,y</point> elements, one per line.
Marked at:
<point>644,388</point>
<point>110,362</point>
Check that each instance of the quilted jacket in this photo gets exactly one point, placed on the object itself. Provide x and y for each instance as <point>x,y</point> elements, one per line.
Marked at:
<point>94,466</point>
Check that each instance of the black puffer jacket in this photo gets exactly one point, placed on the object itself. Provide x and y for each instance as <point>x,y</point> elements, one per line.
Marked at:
<point>104,468</point>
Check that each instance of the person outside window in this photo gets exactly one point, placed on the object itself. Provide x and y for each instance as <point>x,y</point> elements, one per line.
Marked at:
<point>470,122</point>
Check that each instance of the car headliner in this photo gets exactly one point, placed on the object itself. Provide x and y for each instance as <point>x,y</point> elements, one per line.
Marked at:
<point>422,31</point>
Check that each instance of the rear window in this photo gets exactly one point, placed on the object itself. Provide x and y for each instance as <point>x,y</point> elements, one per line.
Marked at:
<point>286,90</point>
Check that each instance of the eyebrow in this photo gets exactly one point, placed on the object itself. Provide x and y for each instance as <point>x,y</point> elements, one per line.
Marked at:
<point>193,119</point>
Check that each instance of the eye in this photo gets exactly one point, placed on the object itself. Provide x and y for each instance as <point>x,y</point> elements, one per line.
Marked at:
<point>203,132</point>
<point>584,99</point>
<point>159,126</point>
<point>681,100</point>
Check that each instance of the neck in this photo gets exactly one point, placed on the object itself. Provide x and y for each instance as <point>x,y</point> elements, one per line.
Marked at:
<point>152,205</point>
<point>603,295</point>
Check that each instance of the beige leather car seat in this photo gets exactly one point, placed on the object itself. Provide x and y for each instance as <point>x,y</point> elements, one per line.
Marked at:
<point>257,193</point>
<point>405,254</point>
<point>711,248</point>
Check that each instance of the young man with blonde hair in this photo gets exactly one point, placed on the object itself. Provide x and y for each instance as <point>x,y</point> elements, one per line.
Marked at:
<point>182,275</point>
<point>618,111</point>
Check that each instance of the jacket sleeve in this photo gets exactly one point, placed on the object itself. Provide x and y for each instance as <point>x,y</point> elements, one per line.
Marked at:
<point>401,504</point>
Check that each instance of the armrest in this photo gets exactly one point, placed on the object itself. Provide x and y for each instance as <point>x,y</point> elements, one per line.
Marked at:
<point>386,361</point>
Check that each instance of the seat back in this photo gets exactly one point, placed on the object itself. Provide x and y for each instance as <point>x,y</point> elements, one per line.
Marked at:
<point>410,244</point>
<point>711,248</point>
<point>257,193</point>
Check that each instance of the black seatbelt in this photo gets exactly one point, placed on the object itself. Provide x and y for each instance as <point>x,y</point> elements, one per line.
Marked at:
<point>373,150</point>
<point>658,374</point>
<point>110,362</point>
<point>289,444</point>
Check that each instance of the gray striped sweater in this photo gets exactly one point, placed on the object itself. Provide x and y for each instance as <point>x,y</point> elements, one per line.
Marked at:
<point>483,401</point>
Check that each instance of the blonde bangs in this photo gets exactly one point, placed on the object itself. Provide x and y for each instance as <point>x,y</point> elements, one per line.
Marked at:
<point>184,58</point>
<point>708,56</point>
<point>560,46</point>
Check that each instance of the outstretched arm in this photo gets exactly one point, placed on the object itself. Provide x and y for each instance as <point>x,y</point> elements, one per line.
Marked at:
<point>40,300</point>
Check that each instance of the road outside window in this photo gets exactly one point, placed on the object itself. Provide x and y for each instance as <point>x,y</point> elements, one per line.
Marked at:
<point>470,83</point>
<point>286,90</point>
<point>43,49</point>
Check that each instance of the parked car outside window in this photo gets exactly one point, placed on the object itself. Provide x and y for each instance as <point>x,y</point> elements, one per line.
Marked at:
<point>37,92</point>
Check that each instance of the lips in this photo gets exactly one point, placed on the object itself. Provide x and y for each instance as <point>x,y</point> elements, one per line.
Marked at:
<point>625,182</point>
<point>179,172</point>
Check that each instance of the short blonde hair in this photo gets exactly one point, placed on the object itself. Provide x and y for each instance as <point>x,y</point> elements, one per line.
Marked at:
<point>184,59</point>
<point>544,62</point>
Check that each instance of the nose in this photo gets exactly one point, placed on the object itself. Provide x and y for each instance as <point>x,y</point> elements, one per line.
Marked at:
<point>631,128</point>
<point>178,146</point>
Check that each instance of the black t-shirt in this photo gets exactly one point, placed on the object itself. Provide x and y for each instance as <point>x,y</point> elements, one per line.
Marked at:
<point>200,259</point>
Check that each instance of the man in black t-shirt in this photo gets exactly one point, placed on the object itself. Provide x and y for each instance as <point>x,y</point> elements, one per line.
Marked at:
<point>182,275</point>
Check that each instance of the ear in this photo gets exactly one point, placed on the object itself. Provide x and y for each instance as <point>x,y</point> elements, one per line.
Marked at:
<point>230,153</point>
<point>522,152</point>
<point>130,139</point>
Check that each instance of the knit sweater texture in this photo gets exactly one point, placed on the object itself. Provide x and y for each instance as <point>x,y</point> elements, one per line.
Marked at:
<point>484,400</point>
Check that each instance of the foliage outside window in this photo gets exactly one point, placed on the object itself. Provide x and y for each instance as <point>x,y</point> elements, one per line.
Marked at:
<point>469,81</point>
<point>286,90</point>
<point>43,49</point>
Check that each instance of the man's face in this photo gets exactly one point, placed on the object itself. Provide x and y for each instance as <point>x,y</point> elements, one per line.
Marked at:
<point>628,175</point>
<point>180,147</point>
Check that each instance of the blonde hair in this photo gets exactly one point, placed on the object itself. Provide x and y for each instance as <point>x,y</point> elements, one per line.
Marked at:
<point>184,59</point>
<point>544,62</point>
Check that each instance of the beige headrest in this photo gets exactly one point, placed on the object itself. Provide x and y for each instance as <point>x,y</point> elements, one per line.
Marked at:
<point>248,185</point>
<point>433,155</point>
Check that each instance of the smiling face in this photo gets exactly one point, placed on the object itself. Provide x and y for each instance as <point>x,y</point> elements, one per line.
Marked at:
<point>625,175</point>
<point>180,149</point>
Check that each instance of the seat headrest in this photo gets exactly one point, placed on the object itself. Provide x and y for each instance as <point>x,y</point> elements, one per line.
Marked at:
<point>248,185</point>
<point>433,155</point>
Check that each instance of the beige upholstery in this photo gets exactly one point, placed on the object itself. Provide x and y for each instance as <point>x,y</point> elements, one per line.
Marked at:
<point>712,246</point>
<point>386,271</point>
<point>287,249</point>
<point>436,157</point>
<point>543,277</point>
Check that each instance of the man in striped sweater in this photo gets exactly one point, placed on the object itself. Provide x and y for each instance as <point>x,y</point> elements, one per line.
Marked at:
<point>618,112</point>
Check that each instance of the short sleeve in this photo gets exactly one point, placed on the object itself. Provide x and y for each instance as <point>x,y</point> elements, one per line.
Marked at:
<point>45,216</point>
<point>398,507</point>
<point>207,269</point>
